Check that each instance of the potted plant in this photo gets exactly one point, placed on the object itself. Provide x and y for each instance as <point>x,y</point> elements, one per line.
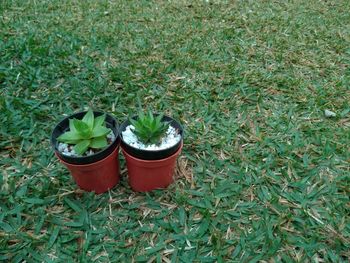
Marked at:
<point>87,143</point>
<point>150,144</point>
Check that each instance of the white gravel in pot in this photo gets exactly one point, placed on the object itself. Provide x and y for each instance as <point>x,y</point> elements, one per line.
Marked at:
<point>171,138</point>
<point>111,136</point>
<point>68,150</point>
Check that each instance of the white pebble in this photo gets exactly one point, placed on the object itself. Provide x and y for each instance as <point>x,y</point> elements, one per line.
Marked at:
<point>329,114</point>
<point>172,137</point>
<point>64,147</point>
<point>111,136</point>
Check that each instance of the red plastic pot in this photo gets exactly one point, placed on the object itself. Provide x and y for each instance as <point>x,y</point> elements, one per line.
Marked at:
<point>99,176</point>
<point>148,175</point>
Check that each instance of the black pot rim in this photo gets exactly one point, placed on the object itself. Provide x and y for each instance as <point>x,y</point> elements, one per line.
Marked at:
<point>146,154</point>
<point>62,126</point>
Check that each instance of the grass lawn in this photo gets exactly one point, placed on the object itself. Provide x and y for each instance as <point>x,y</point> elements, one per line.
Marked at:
<point>263,176</point>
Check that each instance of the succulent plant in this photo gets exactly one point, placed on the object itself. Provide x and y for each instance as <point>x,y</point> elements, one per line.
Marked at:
<point>89,132</point>
<point>148,128</point>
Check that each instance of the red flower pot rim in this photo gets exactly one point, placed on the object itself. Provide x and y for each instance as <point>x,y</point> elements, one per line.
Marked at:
<point>153,162</point>
<point>63,126</point>
<point>85,165</point>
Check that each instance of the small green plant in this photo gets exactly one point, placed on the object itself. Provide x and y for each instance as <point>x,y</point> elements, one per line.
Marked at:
<point>148,128</point>
<point>90,132</point>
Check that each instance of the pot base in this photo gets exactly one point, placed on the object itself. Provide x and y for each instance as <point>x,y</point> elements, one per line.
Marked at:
<point>99,176</point>
<point>148,175</point>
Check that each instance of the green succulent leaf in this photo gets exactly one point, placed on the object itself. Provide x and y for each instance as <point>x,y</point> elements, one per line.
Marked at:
<point>100,131</point>
<point>99,142</point>
<point>82,128</point>
<point>89,132</point>
<point>150,116</point>
<point>148,128</point>
<point>71,126</point>
<point>69,136</point>
<point>159,118</point>
<point>82,146</point>
<point>133,122</point>
<point>99,121</point>
<point>142,116</point>
<point>74,142</point>
<point>89,118</point>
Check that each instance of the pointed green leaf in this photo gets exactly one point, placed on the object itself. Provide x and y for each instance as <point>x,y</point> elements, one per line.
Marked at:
<point>100,131</point>
<point>133,122</point>
<point>150,115</point>
<point>138,126</point>
<point>99,121</point>
<point>159,118</point>
<point>82,128</point>
<point>154,126</point>
<point>141,117</point>
<point>82,146</point>
<point>72,141</point>
<point>98,142</point>
<point>69,136</point>
<point>148,128</point>
<point>71,126</point>
<point>89,119</point>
